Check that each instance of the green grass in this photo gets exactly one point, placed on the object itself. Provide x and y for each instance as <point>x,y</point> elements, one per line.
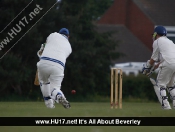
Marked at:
<point>29,109</point>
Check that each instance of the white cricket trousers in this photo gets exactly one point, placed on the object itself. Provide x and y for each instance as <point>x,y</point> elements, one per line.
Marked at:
<point>166,78</point>
<point>50,78</point>
<point>166,75</point>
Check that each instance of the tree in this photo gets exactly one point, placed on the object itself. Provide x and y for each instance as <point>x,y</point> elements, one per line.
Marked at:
<point>18,66</point>
<point>13,74</point>
<point>87,69</point>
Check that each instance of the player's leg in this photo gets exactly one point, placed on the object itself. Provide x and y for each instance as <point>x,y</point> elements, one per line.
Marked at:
<point>171,89</point>
<point>43,75</point>
<point>163,79</point>
<point>56,79</point>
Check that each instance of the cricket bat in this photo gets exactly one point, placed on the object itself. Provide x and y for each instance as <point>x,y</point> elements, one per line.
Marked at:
<point>36,81</point>
<point>156,89</point>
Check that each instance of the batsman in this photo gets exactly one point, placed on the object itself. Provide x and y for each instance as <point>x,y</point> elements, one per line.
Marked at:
<point>163,56</point>
<point>53,55</point>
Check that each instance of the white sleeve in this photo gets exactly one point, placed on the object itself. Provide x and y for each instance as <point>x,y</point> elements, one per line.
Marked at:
<point>47,39</point>
<point>156,52</point>
<point>51,37</point>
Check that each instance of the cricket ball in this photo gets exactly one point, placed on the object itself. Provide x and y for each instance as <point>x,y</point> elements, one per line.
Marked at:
<point>73,92</point>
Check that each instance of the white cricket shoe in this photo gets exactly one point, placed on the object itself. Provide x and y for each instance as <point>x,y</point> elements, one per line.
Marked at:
<point>50,103</point>
<point>60,99</point>
<point>166,105</point>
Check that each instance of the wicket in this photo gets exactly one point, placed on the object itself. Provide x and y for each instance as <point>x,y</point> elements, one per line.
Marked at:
<point>116,88</point>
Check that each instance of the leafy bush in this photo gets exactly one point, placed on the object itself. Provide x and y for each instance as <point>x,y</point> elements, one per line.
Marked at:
<point>138,87</point>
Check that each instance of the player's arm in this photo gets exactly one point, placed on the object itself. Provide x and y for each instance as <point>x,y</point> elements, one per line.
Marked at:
<point>151,62</point>
<point>149,67</point>
<point>154,63</point>
<point>156,58</point>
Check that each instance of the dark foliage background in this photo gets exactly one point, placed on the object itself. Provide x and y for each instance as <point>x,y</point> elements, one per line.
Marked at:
<point>88,67</point>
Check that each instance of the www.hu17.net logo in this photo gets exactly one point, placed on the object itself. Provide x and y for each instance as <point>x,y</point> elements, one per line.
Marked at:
<point>20,25</point>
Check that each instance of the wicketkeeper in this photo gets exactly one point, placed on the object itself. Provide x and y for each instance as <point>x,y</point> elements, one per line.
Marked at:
<point>51,67</point>
<point>164,54</point>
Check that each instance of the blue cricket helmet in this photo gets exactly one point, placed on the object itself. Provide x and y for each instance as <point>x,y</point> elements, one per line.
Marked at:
<point>160,30</point>
<point>64,31</point>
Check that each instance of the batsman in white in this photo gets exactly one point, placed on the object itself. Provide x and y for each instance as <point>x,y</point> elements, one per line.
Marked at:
<point>164,54</point>
<point>51,67</point>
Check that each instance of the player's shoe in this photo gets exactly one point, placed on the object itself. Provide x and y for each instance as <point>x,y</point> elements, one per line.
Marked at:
<point>62,100</point>
<point>166,105</point>
<point>50,103</point>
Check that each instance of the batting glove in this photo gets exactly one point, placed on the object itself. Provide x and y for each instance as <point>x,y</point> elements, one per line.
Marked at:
<point>146,68</point>
<point>40,51</point>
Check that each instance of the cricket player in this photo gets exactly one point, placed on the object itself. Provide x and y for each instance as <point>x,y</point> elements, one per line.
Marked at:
<point>51,67</point>
<point>164,54</point>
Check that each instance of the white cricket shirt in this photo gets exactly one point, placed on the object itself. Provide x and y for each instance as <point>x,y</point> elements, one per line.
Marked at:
<point>56,50</point>
<point>164,48</point>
